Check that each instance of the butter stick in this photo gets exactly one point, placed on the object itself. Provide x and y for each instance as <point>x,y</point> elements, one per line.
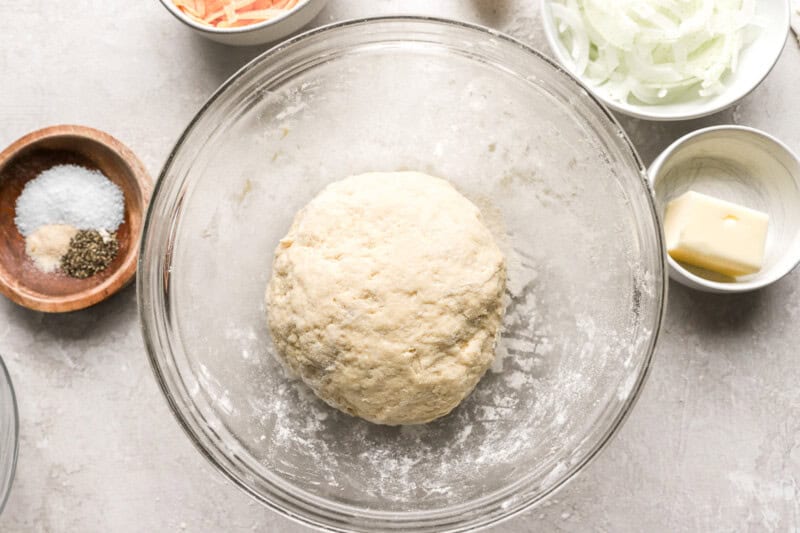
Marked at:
<point>720,236</point>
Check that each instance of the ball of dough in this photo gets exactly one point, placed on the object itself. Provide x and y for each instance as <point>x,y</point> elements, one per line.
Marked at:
<point>386,296</point>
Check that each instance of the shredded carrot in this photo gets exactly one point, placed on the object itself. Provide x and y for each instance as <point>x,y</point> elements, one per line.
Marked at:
<point>234,13</point>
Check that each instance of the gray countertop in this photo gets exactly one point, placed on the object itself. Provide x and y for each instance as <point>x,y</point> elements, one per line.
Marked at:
<point>713,443</point>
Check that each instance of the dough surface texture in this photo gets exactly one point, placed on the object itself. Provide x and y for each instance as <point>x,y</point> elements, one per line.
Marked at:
<point>386,296</point>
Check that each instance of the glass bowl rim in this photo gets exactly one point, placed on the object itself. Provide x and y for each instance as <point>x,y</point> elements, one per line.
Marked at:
<point>15,454</point>
<point>333,516</point>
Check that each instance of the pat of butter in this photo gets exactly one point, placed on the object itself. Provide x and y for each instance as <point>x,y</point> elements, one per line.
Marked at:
<point>716,235</point>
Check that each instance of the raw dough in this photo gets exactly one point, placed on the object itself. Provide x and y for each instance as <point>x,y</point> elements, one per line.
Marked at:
<point>386,296</point>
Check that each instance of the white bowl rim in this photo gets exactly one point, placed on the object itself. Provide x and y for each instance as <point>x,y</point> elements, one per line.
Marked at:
<point>177,13</point>
<point>674,266</point>
<point>641,111</point>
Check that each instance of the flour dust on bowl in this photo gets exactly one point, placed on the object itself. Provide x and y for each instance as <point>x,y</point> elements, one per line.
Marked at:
<point>558,184</point>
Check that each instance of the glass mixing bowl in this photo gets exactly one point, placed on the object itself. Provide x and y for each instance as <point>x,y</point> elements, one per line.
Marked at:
<point>9,434</point>
<point>559,184</point>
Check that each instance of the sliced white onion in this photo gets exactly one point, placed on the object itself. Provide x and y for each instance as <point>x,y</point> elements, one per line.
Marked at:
<point>573,26</point>
<point>655,51</point>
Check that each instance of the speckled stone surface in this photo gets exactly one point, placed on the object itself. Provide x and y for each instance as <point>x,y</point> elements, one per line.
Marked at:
<point>713,444</point>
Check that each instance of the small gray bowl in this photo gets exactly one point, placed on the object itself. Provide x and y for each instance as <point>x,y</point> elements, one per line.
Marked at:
<point>741,165</point>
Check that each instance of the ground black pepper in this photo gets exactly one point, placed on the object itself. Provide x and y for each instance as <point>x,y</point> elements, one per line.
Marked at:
<point>89,253</point>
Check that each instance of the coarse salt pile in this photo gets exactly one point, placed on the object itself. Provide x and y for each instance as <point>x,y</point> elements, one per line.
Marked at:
<point>71,195</point>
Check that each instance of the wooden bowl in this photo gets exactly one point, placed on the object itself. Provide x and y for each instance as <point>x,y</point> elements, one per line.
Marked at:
<point>56,292</point>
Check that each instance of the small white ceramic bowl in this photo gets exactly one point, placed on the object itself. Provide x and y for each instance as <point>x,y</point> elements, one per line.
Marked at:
<point>741,165</point>
<point>264,32</point>
<point>755,63</point>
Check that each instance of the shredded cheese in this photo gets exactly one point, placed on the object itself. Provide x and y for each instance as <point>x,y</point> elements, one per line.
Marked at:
<point>234,13</point>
